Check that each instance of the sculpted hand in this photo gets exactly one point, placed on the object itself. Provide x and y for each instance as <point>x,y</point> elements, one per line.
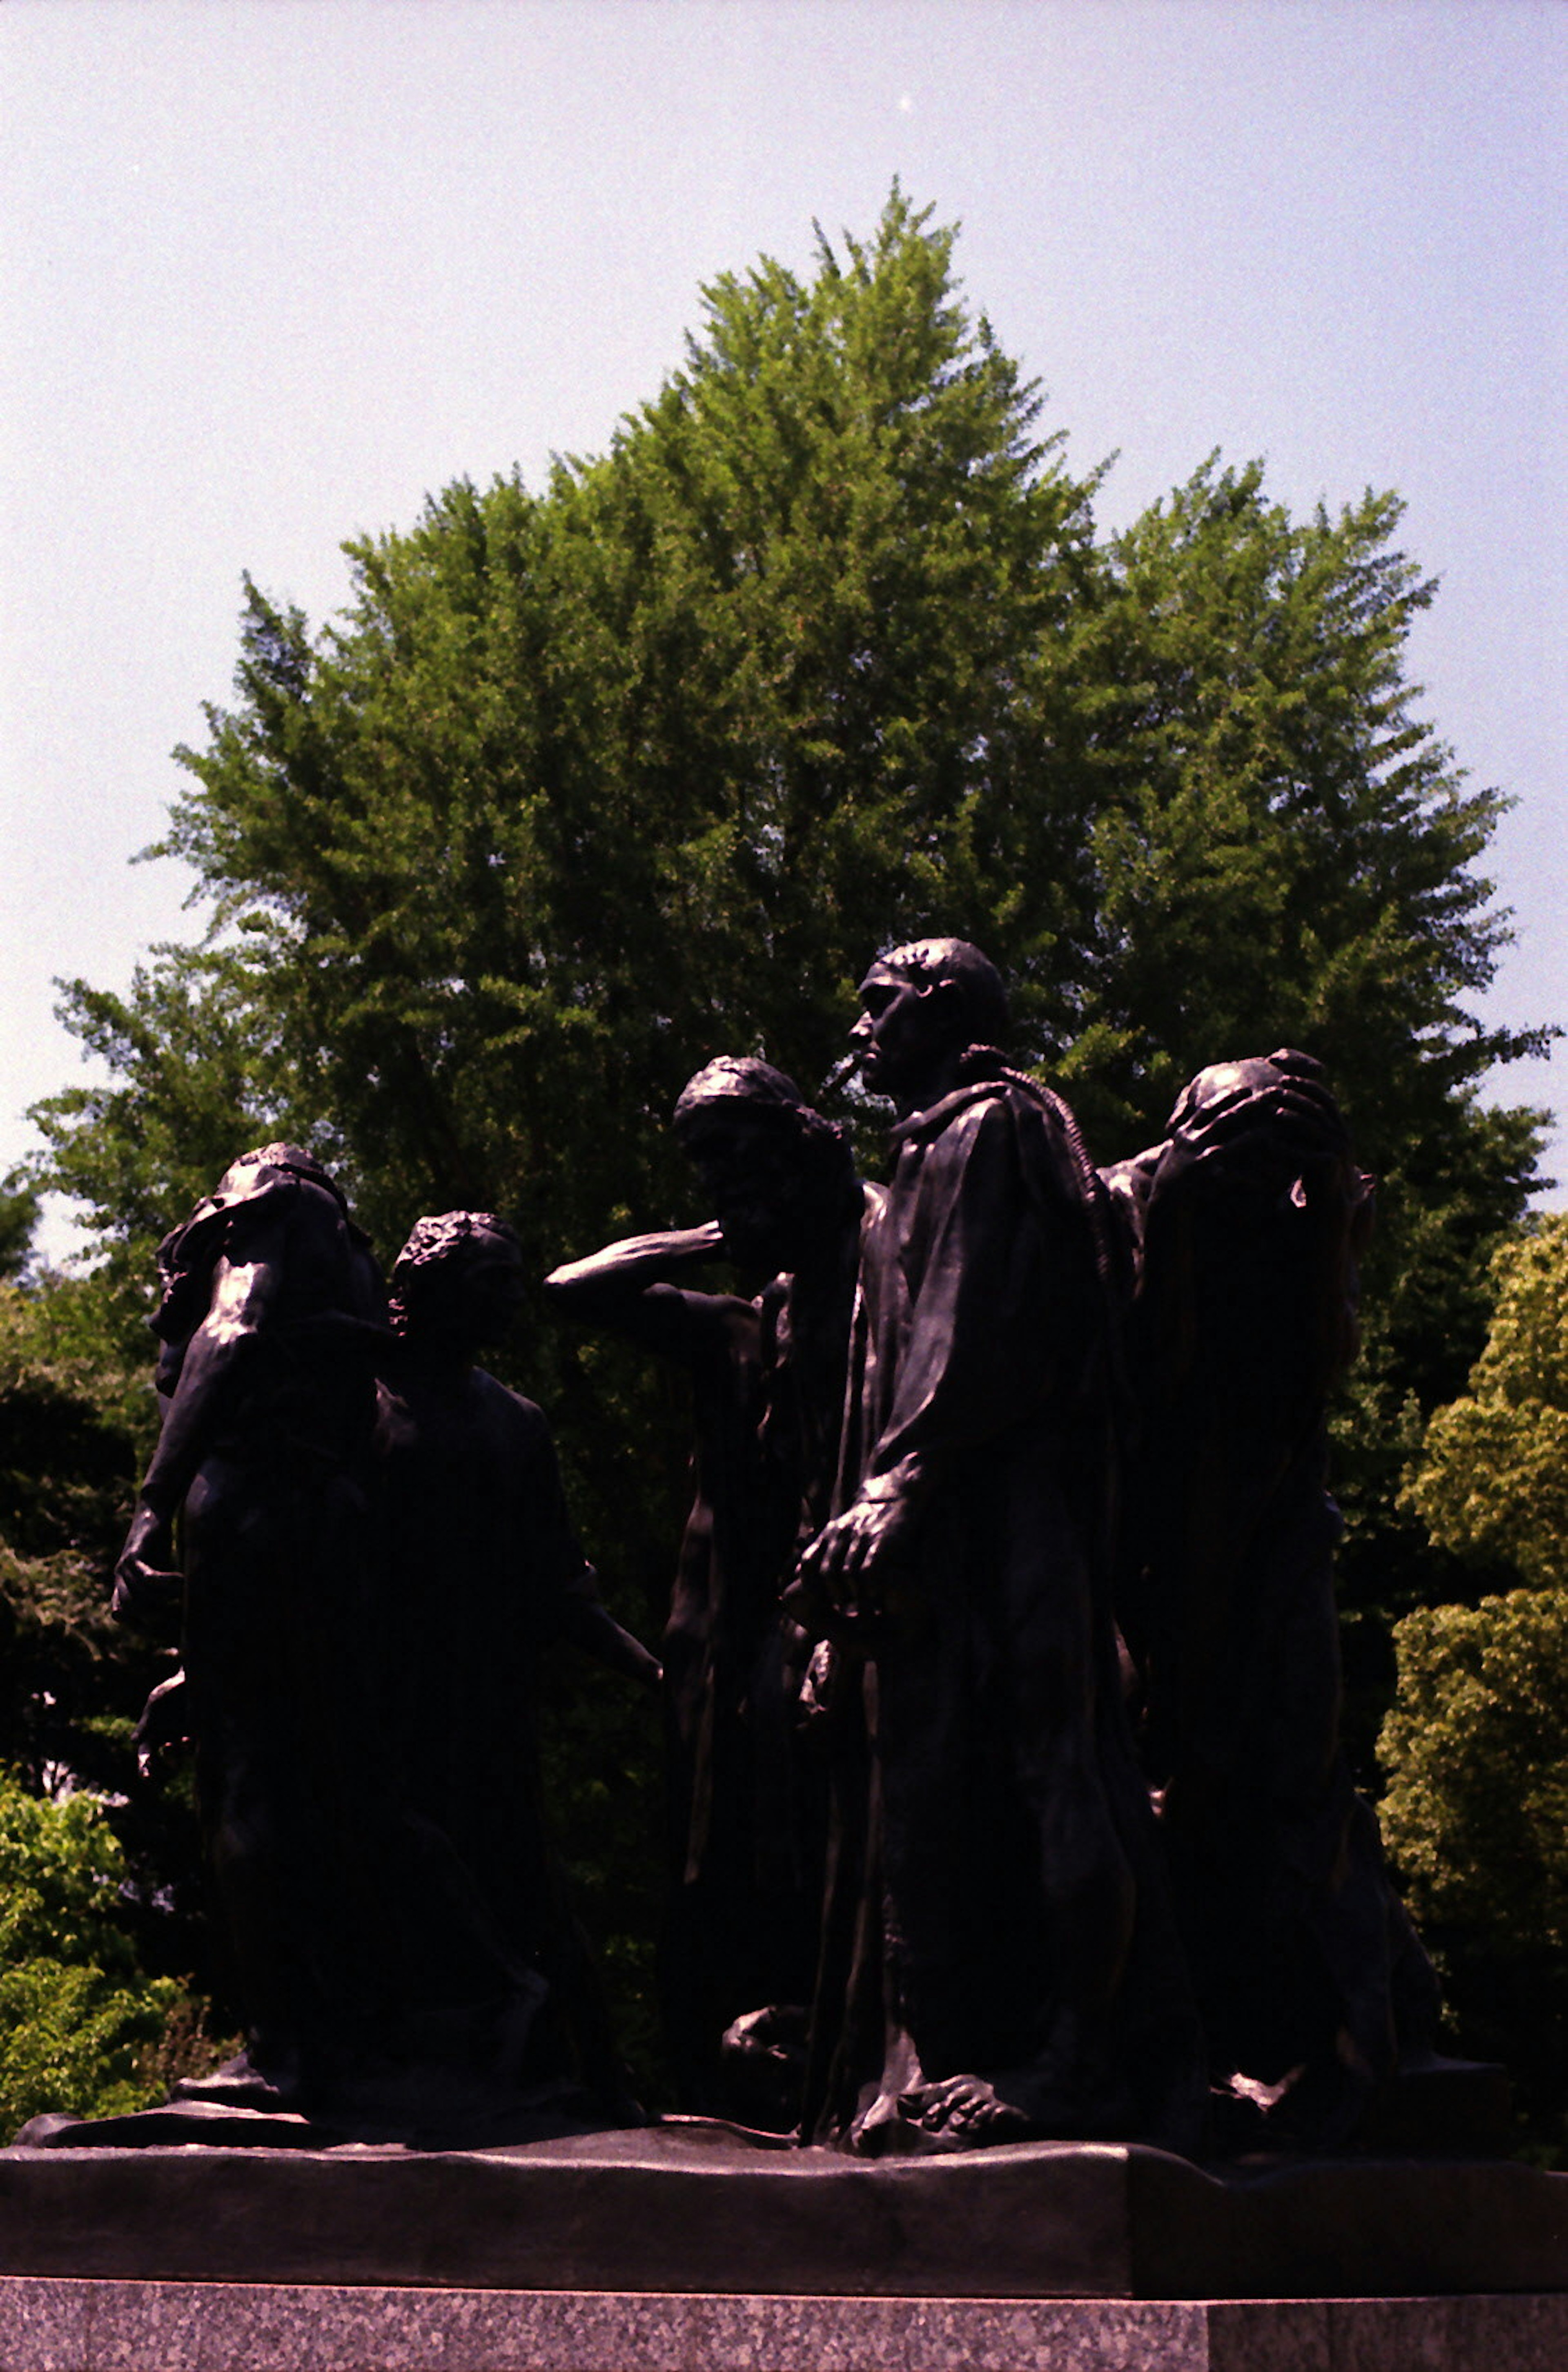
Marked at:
<point>847,1582</point>
<point>166,1721</point>
<point>147,1585</point>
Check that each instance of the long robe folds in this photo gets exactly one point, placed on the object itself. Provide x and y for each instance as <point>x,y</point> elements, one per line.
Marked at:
<point>744,1789</point>
<point>995,1907</point>
<point>1312,1985</point>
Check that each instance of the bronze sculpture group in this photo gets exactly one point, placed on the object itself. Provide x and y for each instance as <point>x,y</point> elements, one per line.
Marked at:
<point>1001,1678</point>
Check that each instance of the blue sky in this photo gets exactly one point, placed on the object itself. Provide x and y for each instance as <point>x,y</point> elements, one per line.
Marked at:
<point>273,270</point>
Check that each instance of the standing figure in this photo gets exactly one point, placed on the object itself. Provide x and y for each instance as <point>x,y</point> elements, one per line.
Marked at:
<point>271,1320</point>
<point>998,1958</point>
<point>1252,1217</point>
<point>745,1797</point>
<point>494,2004</point>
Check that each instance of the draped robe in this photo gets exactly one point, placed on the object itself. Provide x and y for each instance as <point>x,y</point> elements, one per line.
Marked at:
<point>994,1904</point>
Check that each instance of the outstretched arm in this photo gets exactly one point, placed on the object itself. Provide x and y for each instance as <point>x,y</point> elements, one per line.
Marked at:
<point>609,1277</point>
<point>629,1285</point>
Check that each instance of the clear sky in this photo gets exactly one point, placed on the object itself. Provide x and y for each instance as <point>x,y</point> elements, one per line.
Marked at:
<point>271,270</point>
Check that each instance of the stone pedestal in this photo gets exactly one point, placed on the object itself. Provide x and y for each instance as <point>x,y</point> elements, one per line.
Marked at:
<point>695,2208</point>
<point>686,2247</point>
<point>105,2326</point>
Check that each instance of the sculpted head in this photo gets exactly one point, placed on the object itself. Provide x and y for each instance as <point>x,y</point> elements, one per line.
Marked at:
<point>253,1172</point>
<point>922,1008</point>
<point>776,1171</point>
<point>458,1280</point>
<point>188,1254</point>
<point>1286,1092</point>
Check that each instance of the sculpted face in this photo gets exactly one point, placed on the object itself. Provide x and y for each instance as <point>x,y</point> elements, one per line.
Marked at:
<point>749,1165</point>
<point>491,1294</point>
<point>904,1034</point>
<point>468,1302</point>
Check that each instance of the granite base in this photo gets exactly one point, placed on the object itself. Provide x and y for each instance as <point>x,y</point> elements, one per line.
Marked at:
<point>106,2326</point>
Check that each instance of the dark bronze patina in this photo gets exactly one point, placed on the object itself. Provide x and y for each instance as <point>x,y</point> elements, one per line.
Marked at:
<point>375,1553</point>
<point>1251,1219</point>
<point>745,1786</point>
<point>1006,1799</point>
<point>999,1958</point>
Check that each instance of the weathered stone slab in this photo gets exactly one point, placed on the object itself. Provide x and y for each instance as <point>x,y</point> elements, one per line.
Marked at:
<point>697,2210</point>
<point>62,2325</point>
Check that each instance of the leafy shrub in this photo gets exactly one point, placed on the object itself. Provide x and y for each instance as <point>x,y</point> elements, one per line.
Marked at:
<point>81,2027</point>
<point>1476,1820</point>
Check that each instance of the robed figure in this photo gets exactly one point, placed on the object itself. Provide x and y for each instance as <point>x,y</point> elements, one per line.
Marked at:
<point>1252,1218</point>
<point>367,1539</point>
<point>999,1960</point>
<point>493,2004</point>
<point>271,1321</point>
<point>744,1787</point>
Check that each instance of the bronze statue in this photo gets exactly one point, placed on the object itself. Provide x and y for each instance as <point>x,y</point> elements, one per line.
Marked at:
<point>271,1311</point>
<point>919,1897</point>
<point>374,1552</point>
<point>745,1793</point>
<point>1252,1218</point>
<point>999,1958</point>
<point>495,2001</point>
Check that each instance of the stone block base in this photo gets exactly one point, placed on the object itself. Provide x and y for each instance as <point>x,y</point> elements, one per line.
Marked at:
<point>677,2212</point>
<point>61,2325</point>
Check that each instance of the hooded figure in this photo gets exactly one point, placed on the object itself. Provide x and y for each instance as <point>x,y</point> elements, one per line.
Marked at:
<point>1252,1217</point>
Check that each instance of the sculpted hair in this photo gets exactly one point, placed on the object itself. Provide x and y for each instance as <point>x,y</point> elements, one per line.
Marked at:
<point>747,1082</point>
<point>739,1078</point>
<point>449,1241</point>
<point>291,1160</point>
<point>974,975</point>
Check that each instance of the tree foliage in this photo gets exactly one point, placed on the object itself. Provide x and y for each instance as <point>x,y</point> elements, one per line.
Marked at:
<point>1476,1749</point>
<point>1476,1743</point>
<point>18,1224</point>
<point>1476,1819</point>
<point>1493,1480</point>
<point>589,784</point>
<point>76,1417</point>
<point>592,783</point>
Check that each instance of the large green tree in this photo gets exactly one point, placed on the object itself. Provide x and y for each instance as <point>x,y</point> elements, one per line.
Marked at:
<point>591,783</point>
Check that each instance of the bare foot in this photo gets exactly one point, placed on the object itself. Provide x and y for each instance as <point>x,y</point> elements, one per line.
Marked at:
<point>763,2055</point>
<point>965,2108</point>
